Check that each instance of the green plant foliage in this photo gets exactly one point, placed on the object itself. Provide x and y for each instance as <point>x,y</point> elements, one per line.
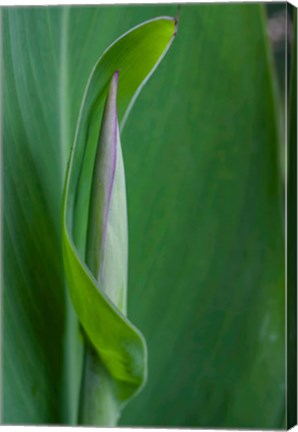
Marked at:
<point>206,265</point>
<point>120,346</point>
<point>33,293</point>
<point>206,242</point>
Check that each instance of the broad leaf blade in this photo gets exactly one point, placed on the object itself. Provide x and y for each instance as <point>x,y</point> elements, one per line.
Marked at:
<point>33,293</point>
<point>207,254</point>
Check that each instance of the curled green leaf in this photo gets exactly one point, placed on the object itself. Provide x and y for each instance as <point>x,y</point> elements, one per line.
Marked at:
<point>94,212</point>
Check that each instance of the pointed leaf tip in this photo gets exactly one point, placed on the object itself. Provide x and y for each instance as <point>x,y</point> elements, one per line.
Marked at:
<point>102,181</point>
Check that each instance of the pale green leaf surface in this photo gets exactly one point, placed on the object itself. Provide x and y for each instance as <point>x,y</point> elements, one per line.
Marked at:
<point>120,345</point>
<point>107,218</point>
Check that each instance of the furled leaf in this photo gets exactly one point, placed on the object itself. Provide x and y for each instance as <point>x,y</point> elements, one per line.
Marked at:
<point>120,347</point>
<point>106,257</point>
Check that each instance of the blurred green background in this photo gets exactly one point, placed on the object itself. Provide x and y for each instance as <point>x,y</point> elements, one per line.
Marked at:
<point>204,166</point>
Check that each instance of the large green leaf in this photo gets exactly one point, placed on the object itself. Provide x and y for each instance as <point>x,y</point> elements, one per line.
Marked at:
<point>33,294</point>
<point>207,256</point>
<point>206,275</point>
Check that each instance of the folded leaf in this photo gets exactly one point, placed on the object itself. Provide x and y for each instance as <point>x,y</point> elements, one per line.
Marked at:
<point>120,347</point>
<point>106,257</point>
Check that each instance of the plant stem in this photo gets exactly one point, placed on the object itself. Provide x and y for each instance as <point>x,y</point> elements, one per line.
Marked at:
<point>98,403</point>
